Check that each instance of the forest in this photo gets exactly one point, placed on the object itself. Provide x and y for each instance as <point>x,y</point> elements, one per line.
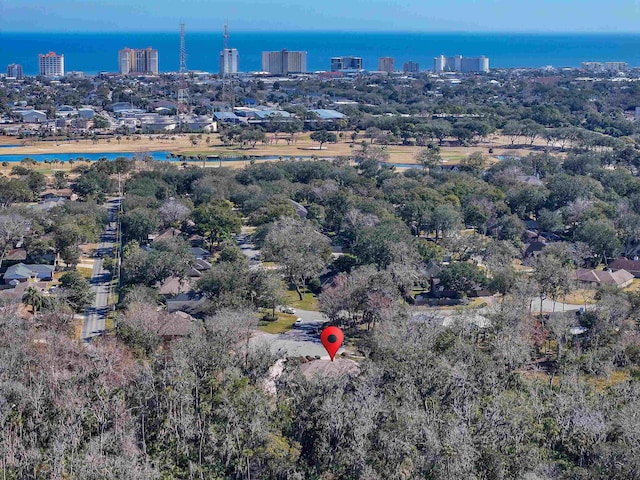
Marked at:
<point>521,395</point>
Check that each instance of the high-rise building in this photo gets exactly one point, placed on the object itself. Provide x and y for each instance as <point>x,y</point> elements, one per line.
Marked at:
<point>386,64</point>
<point>615,67</point>
<point>284,62</point>
<point>346,63</point>
<point>474,65</point>
<point>229,61</point>
<point>51,65</point>
<point>447,64</point>
<point>459,64</point>
<point>14,70</point>
<point>592,67</point>
<point>411,67</point>
<point>141,61</point>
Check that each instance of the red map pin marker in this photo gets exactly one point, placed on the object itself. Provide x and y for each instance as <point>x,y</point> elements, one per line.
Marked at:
<point>332,338</point>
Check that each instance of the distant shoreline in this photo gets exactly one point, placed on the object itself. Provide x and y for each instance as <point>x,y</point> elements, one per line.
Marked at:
<point>93,52</point>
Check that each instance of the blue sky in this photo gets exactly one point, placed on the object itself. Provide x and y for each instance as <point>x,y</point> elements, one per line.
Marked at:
<point>323,15</point>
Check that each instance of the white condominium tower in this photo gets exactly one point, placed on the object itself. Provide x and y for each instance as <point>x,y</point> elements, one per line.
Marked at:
<point>229,61</point>
<point>458,63</point>
<point>51,65</point>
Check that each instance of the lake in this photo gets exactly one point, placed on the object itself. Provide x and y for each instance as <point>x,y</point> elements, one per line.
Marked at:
<point>158,155</point>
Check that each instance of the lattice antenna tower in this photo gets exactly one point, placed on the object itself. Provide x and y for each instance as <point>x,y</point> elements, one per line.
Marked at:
<point>227,87</point>
<point>183,51</point>
<point>183,91</point>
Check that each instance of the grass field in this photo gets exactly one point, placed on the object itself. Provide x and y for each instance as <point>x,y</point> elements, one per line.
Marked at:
<point>309,301</point>
<point>282,325</point>
<point>580,297</point>
<point>304,146</point>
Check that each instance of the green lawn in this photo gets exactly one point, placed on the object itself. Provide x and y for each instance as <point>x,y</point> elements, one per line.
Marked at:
<point>283,324</point>
<point>85,271</point>
<point>309,301</point>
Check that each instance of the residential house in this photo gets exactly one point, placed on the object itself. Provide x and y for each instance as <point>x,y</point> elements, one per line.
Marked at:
<point>173,286</point>
<point>22,272</point>
<point>16,255</point>
<point>189,302</point>
<point>631,266</point>
<point>49,204</point>
<point>620,278</point>
<point>167,234</point>
<point>178,324</point>
<point>199,252</point>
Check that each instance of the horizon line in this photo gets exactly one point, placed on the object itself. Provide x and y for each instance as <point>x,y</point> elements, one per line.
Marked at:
<point>470,32</point>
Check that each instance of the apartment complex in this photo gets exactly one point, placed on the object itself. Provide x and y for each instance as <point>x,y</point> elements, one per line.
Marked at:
<point>599,67</point>
<point>51,65</point>
<point>411,67</point>
<point>284,62</point>
<point>141,61</point>
<point>229,61</point>
<point>461,64</point>
<point>386,64</point>
<point>14,70</point>
<point>346,63</point>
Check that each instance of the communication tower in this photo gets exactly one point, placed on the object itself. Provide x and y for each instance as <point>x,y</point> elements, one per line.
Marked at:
<point>228,93</point>
<point>183,90</point>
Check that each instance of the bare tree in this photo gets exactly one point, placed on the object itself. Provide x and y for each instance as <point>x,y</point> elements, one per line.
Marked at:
<point>173,212</point>
<point>299,248</point>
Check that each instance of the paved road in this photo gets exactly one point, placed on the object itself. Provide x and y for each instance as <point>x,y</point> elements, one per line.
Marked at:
<point>430,313</point>
<point>95,316</point>
<point>249,249</point>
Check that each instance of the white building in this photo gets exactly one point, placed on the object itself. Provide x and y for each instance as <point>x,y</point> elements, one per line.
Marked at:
<point>229,61</point>
<point>615,67</point>
<point>458,63</point>
<point>33,116</point>
<point>474,65</point>
<point>284,62</point>
<point>51,65</point>
<point>592,67</point>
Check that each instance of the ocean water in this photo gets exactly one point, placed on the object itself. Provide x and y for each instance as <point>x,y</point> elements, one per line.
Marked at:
<point>96,52</point>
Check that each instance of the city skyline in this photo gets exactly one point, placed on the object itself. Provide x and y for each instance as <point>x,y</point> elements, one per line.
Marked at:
<point>289,15</point>
<point>86,52</point>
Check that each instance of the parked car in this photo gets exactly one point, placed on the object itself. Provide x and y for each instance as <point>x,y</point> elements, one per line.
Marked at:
<point>289,310</point>
<point>297,323</point>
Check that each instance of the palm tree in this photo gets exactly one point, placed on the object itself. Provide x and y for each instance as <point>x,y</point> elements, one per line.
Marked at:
<point>34,298</point>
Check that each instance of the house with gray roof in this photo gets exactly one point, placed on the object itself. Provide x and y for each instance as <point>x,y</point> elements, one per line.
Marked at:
<point>620,278</point>
<point>23,272</point>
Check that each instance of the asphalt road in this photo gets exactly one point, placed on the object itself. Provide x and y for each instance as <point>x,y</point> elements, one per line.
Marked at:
<point>249,249</point>
<point>95,316</point>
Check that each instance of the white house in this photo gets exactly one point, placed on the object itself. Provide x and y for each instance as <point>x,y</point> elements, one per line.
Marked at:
<point>33,116</point>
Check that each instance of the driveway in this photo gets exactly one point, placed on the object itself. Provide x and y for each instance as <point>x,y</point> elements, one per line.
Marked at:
<point>299,341</point>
